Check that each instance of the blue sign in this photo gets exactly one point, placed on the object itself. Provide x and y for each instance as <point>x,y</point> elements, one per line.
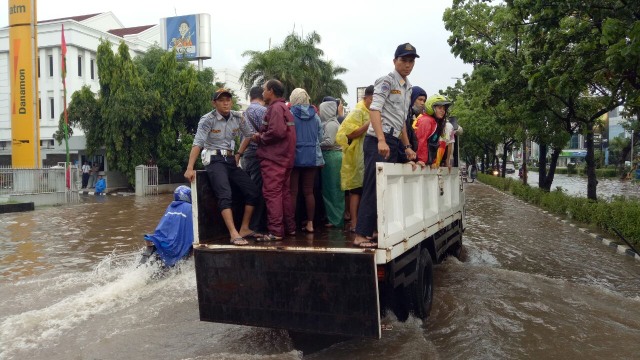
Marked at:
<point>182,36</point>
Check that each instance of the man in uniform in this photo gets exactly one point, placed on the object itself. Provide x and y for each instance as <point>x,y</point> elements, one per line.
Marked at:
<point>216,139</point>
<point>387,132</point>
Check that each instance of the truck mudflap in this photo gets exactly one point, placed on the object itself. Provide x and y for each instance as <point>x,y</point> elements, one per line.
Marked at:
<point>315,292</point>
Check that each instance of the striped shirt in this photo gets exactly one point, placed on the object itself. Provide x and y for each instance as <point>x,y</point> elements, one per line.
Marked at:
<point>254,116</point>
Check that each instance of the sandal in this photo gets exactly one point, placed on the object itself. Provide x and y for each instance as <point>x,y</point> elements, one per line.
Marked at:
<point>239,241</point>
<point>254,234</point>
<point>268,237</point>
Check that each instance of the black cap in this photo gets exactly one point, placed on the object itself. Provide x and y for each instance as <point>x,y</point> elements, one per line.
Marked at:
<point>368,91</point>
<point>221,92</point>
<point>406,50</point>
<point>328,98</point>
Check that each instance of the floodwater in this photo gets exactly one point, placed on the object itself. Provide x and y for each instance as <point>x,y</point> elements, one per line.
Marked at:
<point>531,288</point>
<point>577,185</point>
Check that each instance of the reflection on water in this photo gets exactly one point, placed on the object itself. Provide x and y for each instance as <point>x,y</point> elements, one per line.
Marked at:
<point>75,236</point>
<point>532,288</point>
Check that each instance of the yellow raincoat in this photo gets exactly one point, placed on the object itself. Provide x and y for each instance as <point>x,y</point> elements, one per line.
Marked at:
<point>352,170</point>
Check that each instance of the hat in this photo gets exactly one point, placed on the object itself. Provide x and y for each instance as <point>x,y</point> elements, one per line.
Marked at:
<point>368,91</point>
<point>328,98</point>
<point>221,92</point>
<point>405,50</point>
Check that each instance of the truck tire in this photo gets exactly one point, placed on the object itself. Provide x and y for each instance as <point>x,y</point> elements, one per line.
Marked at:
<point>422,289</point>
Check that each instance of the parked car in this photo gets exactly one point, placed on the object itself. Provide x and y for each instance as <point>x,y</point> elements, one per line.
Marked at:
<point>511,169</point>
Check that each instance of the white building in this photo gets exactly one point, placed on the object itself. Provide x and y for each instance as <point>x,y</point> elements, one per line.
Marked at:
<point>82,35</point>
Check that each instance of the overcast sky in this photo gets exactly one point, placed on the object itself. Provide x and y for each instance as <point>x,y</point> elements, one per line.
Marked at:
<point>360,36</point>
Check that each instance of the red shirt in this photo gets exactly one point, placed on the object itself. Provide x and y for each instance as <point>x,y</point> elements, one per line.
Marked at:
<point>425,127</point>
<point>278,135</point>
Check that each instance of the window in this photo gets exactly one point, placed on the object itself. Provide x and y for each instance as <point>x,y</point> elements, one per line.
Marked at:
<point>51,110</point>
<point>92,70</point>
<point>50,65</point>
<point>38,67</point>
<point>39,108</point>
<point>574,142</point>
<point>80,66</point>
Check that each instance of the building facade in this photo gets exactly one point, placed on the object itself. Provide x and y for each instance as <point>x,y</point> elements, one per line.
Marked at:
<point>82,35</point>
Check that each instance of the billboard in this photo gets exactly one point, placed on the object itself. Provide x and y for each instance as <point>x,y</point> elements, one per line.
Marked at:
<point>188,35</point>
<point>25,126</point>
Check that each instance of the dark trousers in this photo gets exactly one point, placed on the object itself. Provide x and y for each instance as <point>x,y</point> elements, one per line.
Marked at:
<point>368,209</point>
<point>251,164</point>
<point>222,172</point>
<point>85,179</point>
<point>276,189</point>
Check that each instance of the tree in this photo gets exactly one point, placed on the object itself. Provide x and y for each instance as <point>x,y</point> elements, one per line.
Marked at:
<point>297,63</point>
<point>146,109</point>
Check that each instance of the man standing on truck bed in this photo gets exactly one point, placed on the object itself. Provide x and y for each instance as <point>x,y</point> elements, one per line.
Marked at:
<point>216,139</point>
<point>388,112</point>
<point>276,151</point>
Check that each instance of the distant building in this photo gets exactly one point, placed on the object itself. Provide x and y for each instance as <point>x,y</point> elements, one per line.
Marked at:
<point>82,35</point>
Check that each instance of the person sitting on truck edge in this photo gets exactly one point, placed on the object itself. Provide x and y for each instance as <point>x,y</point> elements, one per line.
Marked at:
<point>276,151</point>
<point>254,116</point>
<point>308,154</point>
<point>435,133</point>
<point>418,97</point>
<point>173,236</point>
<point>388,112</point>
<point>350,137</point>
<point>216,139</point>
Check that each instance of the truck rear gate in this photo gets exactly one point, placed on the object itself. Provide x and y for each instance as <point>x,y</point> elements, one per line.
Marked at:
<point>318,292</point>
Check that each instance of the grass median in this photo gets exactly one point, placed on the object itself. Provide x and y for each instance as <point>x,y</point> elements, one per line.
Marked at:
<point>620,213</point>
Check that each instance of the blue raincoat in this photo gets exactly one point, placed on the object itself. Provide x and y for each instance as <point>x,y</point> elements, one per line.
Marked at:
<point>174,234</point>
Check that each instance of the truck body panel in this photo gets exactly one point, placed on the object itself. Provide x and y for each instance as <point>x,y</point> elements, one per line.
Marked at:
<point>321,282</point>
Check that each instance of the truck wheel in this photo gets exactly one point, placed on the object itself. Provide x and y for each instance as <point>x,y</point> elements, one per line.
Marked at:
<point>422,289</point>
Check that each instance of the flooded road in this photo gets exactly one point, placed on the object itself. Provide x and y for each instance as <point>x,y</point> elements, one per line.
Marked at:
<point>577,185</point>
<point>531,288</point>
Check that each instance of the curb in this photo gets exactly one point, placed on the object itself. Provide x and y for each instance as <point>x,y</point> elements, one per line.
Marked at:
<point>620,249</point>
<point>85,192</point>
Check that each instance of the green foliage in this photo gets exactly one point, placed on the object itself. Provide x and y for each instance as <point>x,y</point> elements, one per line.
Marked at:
<point>297,63</point>
<point>619,213</point>
<point>146,110</point>
<point>550,68</point>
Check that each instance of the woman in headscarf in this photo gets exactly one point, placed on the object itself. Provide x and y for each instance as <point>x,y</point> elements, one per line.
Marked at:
<point>332,193</point>
<point>308,155</point>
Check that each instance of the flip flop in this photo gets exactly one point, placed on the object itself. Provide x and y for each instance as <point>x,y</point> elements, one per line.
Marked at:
<point>239,241</point>
<point>268,237</point>
<point>254,234</point>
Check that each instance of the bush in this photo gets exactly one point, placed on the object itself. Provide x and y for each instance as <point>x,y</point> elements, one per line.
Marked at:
<point>620,213</point>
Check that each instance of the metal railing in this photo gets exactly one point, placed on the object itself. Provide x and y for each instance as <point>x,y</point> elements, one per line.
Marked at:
<point>15,182</point>
<point>146,180</point>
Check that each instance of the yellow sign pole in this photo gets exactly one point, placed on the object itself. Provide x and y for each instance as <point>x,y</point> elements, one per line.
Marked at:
<point>23,55</point>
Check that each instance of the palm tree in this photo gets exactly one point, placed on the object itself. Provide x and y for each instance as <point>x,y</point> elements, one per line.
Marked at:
<point>297,62</point>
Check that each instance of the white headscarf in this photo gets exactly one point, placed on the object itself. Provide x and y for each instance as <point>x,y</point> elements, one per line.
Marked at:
<point>299,97</point>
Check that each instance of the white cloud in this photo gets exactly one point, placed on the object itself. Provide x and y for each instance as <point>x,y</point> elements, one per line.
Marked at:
<point>358,35</point>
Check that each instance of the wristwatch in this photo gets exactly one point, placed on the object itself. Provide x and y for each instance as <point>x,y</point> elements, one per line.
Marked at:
<point>408,146</point>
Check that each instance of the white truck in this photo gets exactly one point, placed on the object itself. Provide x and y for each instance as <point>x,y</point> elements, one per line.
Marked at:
<point>321,282</point>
